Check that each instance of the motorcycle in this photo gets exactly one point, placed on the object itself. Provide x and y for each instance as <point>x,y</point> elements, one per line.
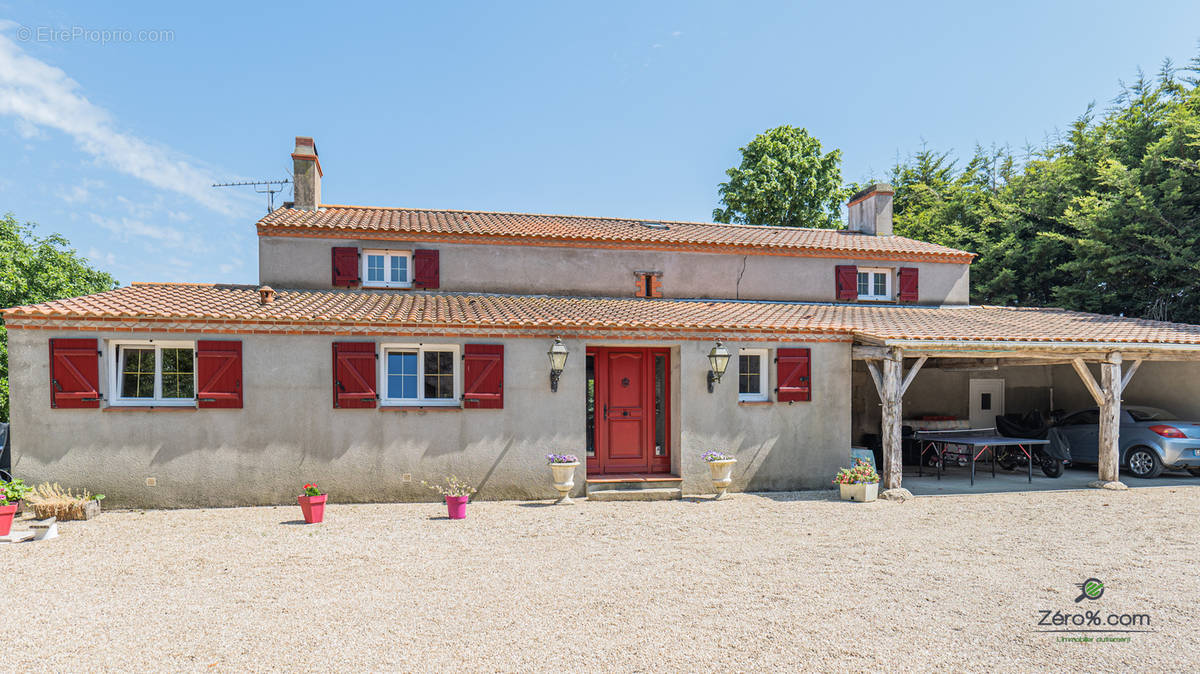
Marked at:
<point>1050,458</point>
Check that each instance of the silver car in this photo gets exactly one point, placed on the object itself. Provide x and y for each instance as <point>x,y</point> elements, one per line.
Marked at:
<point>1152,440</point>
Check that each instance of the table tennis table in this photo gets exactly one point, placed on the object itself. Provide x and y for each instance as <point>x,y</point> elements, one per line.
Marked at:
<point>979,440</point>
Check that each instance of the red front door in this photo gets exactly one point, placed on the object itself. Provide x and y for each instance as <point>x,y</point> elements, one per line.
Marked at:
<point>630,418</point>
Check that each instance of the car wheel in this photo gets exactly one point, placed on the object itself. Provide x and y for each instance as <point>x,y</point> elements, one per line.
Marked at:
<point>1144,463</point>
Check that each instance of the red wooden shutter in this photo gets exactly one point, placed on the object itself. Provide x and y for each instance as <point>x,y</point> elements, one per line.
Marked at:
<point>908,284</point>
<point>483,376</point>
<point>345,266</point>
<point>74,373</point>
<point>354,375</point>
<point>219,374</point>
<point>426,269</point>
<point>793,374</point>
<point>847,281</point>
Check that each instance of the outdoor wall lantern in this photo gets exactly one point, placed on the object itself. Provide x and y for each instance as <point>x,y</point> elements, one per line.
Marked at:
<point>558,360</point>
<point>718,360</point>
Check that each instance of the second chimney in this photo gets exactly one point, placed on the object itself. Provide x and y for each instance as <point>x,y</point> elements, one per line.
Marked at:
<point>871,210</point>
<point>306,175</point>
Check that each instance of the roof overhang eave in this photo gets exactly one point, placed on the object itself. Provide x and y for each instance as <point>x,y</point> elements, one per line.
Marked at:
<point>976,348</point>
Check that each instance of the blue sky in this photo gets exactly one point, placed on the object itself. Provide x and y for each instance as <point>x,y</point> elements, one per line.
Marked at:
<point>618,109</point>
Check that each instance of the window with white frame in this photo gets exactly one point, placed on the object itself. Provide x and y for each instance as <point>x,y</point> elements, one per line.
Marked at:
<point>752,375</point>
<point>387,268</point>
<point>874,284</point>
<point>151,372</point>
<point>420,374</point>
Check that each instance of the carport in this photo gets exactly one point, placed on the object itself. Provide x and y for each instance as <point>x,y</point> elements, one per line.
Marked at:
<point>896,352</point>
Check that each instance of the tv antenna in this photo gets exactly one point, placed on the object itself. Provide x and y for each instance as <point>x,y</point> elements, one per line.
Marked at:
<point>268,187</point>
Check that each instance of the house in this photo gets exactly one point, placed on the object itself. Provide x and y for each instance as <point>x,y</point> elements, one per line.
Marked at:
<point>386,346</point>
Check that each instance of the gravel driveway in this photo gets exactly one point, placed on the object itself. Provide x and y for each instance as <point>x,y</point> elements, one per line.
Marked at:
<point>757,581</point>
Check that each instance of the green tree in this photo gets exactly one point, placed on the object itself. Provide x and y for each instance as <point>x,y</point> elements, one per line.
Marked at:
<point>1137,235</point>
<point>38,269</point>
<point>1104,217</point>
<point>784,179</point>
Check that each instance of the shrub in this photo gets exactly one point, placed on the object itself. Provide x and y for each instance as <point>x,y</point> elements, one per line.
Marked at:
<point>13,491</point>
<point>51,500</point>
<point>713,455</point>
<point>861,473</point>
<point>453,487</point>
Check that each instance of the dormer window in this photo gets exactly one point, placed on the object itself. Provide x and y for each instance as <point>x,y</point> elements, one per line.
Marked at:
<point>874,284</point>
<point>387,268</point>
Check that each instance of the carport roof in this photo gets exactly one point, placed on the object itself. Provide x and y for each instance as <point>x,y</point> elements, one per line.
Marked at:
<point>908,325</point>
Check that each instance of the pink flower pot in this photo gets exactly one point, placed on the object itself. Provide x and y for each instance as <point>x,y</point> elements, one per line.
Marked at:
<point>6,518</point>
<point>313,507</point>
<point>456,506</point>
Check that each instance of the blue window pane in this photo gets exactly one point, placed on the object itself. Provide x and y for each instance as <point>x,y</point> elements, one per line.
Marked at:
<point>375,268</point>
<point>402,375</point>
<point>399,269</point>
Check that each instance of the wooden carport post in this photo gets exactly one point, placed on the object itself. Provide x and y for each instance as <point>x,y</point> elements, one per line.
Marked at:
<point>1107,395</point>
<point>892,397</point>
<point>891,385</point>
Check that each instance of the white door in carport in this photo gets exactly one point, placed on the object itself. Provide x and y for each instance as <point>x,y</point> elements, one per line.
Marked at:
<point>987,402</point>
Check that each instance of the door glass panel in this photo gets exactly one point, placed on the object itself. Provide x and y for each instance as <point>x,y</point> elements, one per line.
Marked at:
<point>590,405</point>
<point>985,401</point>
<point>660,405</point>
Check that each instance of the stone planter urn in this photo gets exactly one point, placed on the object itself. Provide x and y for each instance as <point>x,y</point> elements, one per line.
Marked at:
<point>863,492</point>
<point>722,475</point>
<point>564,480</point>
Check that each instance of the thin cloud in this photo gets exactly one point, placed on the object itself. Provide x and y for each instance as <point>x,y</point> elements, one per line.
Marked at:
<point>124,228</point>
<point>80,193</point>
<point>100,257</point>
<point>40,95</point>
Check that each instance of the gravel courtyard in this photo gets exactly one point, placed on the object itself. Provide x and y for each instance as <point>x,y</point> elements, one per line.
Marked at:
<point>757,581</point>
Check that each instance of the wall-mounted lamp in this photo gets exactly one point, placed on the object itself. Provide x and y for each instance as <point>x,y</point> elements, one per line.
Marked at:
<point>558,360</point>
<point>718,360</point>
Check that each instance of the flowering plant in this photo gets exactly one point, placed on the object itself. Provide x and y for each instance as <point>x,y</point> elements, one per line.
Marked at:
<point>713,455</point>
<point>861,473</point>
<point>453,487</point>
<point>312,490</point>
<point>11,492</point>
<point>562,458</point>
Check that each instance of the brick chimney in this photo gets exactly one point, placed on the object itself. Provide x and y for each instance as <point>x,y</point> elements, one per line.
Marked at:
<point>306,174</point>
<point>266,295</point>
<point>871,210</point>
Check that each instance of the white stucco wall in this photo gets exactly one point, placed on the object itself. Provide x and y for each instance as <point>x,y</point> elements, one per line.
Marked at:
<point>288,434</point>
<point>293,262</point>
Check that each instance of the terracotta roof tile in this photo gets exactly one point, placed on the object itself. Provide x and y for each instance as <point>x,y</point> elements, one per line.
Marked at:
<point>237,303</point>
<point>477,225</point>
